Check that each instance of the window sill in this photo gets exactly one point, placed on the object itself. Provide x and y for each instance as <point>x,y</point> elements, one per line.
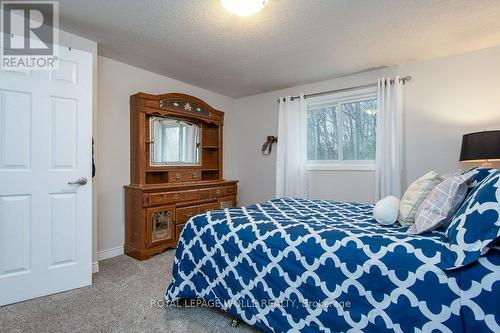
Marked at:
<point>340,167</point>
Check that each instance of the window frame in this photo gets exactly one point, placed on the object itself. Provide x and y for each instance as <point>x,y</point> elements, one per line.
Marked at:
<point>338,99</point>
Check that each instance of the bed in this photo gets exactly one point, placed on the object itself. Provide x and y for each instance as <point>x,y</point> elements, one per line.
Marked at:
<point>296,265</point>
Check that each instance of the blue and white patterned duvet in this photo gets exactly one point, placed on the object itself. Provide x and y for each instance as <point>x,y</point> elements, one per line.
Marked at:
<point>313,266</point>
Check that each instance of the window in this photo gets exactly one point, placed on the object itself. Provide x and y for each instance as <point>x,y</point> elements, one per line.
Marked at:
<point>341,131</point>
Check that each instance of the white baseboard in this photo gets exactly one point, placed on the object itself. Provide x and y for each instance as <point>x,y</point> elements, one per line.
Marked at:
<point>95,267</point>
<point>110,253</point>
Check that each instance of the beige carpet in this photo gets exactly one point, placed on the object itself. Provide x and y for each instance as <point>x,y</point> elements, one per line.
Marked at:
<point>119,300</point>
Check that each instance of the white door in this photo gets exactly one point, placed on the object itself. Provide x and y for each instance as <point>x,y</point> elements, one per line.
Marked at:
<point>45,144</point>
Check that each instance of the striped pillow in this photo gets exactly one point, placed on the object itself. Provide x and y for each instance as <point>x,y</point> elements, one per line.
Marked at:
<point>443,201</point>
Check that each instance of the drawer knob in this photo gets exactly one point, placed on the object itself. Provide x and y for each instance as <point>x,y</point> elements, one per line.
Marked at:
<point>178,176</point>
<point>194,176</point>
<point>176,196</point>
<point>218,191</point>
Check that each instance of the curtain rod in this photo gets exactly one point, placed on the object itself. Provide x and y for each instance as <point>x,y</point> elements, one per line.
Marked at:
<point>402,79</point>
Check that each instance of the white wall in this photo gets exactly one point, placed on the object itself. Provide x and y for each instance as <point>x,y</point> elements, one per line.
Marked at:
<point>446,98</point>
<point>117,81</point>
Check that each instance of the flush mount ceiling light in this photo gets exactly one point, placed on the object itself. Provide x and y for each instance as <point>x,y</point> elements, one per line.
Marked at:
<point>243,7</point>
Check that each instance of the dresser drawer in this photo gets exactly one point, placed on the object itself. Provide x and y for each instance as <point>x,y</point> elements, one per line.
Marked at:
<point>170,197</point>
<point>184,176</point>
<point>223,191</point>
<point>205,193</point>
<point>210,206</point>
<point>182,215</point>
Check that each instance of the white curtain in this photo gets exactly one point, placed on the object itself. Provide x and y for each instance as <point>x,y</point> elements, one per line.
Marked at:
<point>291,159</point>
<point>389,155</point>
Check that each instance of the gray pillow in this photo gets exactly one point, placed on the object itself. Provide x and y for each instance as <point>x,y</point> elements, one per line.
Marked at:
<point>441,203</point>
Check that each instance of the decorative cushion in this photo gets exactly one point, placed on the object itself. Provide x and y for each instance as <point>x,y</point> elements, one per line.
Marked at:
<point>415,195</point>
<point>443,201</point>
<point>476,225</point>
<point>386,210</point>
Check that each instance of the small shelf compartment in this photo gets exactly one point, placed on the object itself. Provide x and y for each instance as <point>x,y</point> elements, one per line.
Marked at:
<point>210,135</point>
<point>210,159</point>
<point>157,177</point>
<point>212,174</point>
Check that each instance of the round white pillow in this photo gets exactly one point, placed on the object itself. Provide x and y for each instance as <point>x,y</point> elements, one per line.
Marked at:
<point>386,210</point>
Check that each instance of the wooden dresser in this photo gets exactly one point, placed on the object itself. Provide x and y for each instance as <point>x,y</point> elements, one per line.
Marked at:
<point>176,150</point>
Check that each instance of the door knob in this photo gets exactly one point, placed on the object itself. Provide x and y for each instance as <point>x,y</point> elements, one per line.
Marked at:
<point>81,181</point>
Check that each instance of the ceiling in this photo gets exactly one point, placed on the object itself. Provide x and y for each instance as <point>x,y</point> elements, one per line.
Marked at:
<point>289,42</point>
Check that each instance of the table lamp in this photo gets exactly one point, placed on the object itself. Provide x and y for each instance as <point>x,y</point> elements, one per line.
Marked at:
<point>481,147</point>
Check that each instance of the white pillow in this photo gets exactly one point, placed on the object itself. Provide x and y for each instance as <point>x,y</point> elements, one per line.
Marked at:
<point>415,195</point>
<point>386,210</point>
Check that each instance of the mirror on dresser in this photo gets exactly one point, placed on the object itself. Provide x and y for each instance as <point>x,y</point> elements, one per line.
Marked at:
<point>174,141</point>
<point>176,171</point>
